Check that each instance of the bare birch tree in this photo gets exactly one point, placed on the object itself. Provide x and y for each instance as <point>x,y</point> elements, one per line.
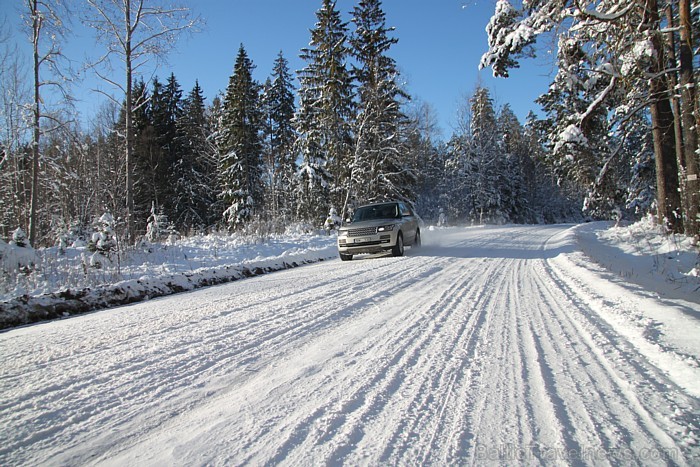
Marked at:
<point>14,94</point>
<point>133,32</point>
<point>45,22</point>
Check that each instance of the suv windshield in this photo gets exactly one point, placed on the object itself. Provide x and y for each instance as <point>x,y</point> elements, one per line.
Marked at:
<point>379,211</point>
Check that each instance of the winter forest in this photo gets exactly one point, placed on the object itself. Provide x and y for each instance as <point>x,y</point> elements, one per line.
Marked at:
<point>616,137</point>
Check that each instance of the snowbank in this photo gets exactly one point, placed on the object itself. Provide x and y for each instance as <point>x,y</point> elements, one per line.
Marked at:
<point>154,271</point>
<point>667,265</point>
<point>644,286</point>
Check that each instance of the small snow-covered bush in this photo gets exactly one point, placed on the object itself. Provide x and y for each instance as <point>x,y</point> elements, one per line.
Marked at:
<point>18,264</point>
<point>69,235</point>
<point>19,238</point>
<point>103,243</point>
<point>159,228</point>
<point>18,256</point>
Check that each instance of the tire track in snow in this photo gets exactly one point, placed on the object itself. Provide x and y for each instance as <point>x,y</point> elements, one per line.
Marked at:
<point>496,419</point>
<point>364,404</point>
<point>457,435</point>
<point>362,302</point>
<point>320,422</point>
<point>495,396</point>
<point>622,412</point>
<point>343,428</point>
<point>437,361</point>
<point>123,380</point>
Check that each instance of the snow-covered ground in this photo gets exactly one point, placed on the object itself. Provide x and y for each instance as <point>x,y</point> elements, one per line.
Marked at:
<point>489,345</point>
<point>63,284</point>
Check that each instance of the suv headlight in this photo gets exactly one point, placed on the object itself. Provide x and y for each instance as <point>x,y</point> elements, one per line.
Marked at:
<point>386,228</point>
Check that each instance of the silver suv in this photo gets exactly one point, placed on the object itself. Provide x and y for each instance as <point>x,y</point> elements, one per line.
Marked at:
<point>379,227</point>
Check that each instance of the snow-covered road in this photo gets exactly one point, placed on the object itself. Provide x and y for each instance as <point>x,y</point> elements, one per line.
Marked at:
<point>485,346</point>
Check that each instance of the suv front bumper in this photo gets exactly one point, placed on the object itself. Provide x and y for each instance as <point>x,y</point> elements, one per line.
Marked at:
<point>352,242</point>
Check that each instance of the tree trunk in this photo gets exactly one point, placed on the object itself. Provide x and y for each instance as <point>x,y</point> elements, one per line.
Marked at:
<point>676,102</point>
<point>128,123</point>
<point>690,131</point>
<point>36,30</point>
<point>668,196</point>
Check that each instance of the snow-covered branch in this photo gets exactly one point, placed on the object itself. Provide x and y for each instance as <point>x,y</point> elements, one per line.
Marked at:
<point>597,102</point>
<point>610,16</point>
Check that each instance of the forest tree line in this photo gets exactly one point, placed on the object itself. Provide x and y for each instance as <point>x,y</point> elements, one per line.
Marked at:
<point>262,156</point>
<point>626,75</point>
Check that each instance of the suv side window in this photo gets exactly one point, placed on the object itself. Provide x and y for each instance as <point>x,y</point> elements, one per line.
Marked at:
<point>405,212</point>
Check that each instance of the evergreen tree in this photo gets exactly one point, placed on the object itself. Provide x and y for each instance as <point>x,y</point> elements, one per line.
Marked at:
<point>240,164</point>
<point>512,144</point>
<point>323,121</point>
<point>552,200</point>
<point>194,174</point>
<point>103,242</point>
<point>215,118</point>
<point>379,169</point>
<point>427,159</point>
<point>592,145</point>
<point>638,146</point>
<point>144,151</point>
<point>578,148</point>
<point>158,227</point>
<point>486,164</point>
<point>19,239</point>
<point>278,140</point>
<point>155,149</point>
<point>457,198</point>
<point>165,122</point>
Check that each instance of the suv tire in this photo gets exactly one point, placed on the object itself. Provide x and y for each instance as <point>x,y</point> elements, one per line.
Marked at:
<point>417,241</point>
<point>398,248</point>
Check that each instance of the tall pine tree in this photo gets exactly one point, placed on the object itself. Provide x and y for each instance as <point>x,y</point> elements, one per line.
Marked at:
<point>155,147</point>
<point>379,168</point>
<point>165,118</point>
<point>486,164</point>
<point>194,174</point>
<point>323,121</point>
<point>145,151</point>
<point>512,144</point>
<point>278,140</point>
<point>577,147</point>
<point>240,148</point>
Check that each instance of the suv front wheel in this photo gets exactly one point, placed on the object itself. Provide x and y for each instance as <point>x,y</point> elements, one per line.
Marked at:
<point>398,248</point>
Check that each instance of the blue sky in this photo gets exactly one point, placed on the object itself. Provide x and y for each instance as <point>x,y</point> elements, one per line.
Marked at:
<point>440,44</point>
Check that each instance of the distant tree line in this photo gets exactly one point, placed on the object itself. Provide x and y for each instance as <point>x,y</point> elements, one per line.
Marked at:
<point>262,156</point>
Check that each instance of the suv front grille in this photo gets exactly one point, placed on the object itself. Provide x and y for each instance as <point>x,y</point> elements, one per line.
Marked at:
<point>362,232</point>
